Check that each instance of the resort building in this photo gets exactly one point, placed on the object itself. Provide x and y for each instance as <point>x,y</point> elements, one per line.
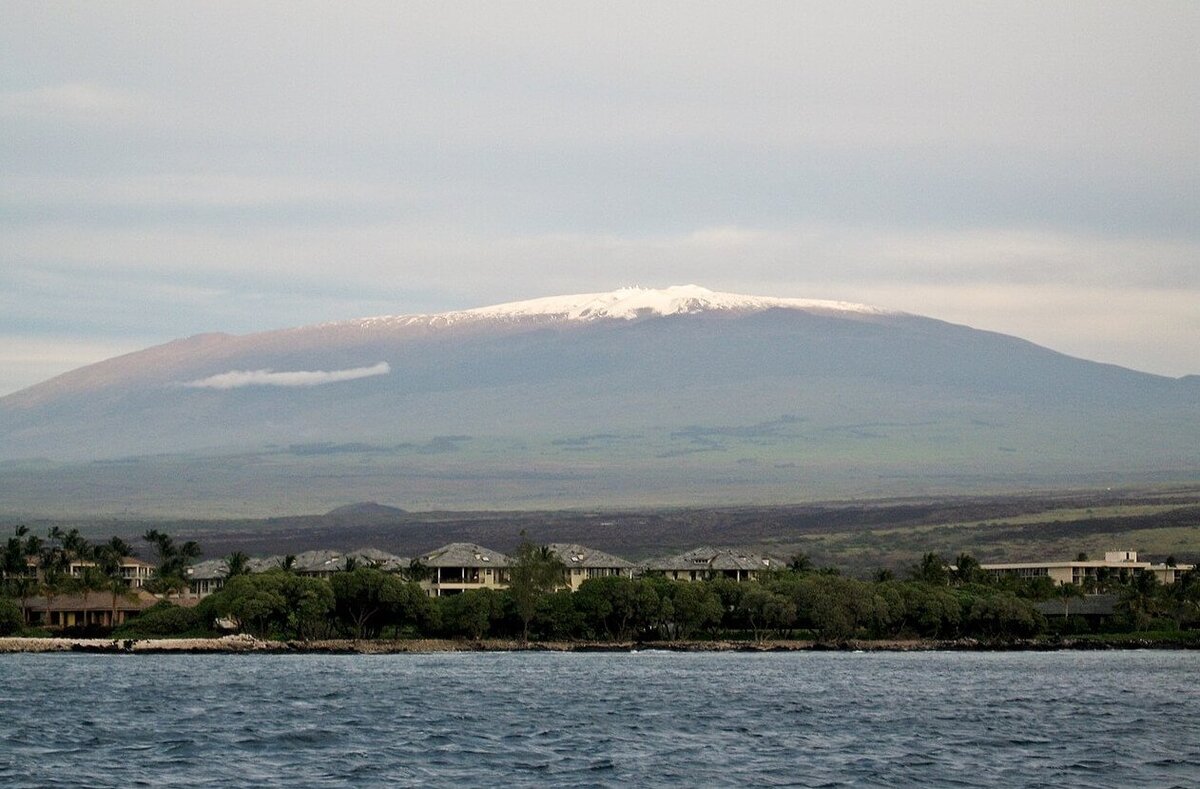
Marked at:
<point>93,610</point>
<point>373,557</point>
<point>460,566</point>
<point>706,563</point>
<point>209,576</point>
<point>1095,609</point>
<point>582,563</point>
<point>1088,572</point>
<point>135,571</point>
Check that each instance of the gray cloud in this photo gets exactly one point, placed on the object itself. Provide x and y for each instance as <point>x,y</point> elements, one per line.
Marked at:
<point>237,169</point>
<point>236,379</point>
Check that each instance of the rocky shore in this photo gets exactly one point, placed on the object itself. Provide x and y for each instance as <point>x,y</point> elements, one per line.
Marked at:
<point>245,644</point>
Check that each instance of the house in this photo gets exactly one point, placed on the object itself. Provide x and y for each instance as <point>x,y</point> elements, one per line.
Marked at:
<point>324,563</point>
<point>1095,609</point>
<point>582,563</point>
<point>133,570</point>
<point>209,576</point>
<point>707,563</point>
<point>206,577</point>
<point>460,566</point>
<point>1088,572</point>
<point>95,609</point>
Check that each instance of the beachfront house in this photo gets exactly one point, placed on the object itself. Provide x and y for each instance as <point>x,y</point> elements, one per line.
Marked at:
<point>582,563</point>
<point>1090,572</point>
<point>460,566</point>
<point>99,610</point>
<point>707,563</point>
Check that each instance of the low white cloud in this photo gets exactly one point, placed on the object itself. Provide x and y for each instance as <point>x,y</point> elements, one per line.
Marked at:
<point>235,379</point>
<point>72,99</point>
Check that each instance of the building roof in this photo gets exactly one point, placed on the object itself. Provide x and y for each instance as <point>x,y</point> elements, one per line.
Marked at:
<point>132,600</point>
<point>709,558</point>
<point>464,554</point>
<point>206,570</point>
<point>374,557</point>
<point>1088,605</point>
<point>322,561</point>
<point>581,556</point>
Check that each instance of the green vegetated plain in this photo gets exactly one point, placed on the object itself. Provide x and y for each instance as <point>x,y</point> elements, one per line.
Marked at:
<point>775,462</point>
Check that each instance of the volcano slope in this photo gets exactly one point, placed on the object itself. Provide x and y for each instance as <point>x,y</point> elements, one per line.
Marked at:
<point>677,396</point>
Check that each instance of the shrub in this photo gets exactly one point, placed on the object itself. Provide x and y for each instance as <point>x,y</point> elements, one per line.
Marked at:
<point>164,619</point>
<point>11,621</point>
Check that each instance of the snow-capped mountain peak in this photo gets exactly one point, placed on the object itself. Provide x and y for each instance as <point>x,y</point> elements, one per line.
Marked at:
<point>629,304</point>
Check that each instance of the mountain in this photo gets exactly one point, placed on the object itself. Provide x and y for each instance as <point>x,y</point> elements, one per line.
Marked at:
<point>368,510</point>
<point>665,396</point>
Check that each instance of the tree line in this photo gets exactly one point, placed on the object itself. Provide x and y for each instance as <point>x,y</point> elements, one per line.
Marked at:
<point>934,600</point>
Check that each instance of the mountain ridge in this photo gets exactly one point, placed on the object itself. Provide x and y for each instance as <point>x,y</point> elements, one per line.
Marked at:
<point>666,395</point>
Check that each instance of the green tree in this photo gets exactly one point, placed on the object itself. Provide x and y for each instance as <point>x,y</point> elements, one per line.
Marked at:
<point>696,608</point>
<point>931,570</point>
<point>255,602</point>
<point>967,570</point>
<point>417,571</point>
<point>1003,614</point>
<point>309,603</point>
<point>800,563</point>
<point>109,557</point>
<point>535,571</point>
<point>11,618</point>
<point>237,563</point>
<point>471,613</point>
<point>557,616</point>
<point>173,561</point>
<point>367,599</point>
<point>1139,598</point>
<point>14,565</point>
<point>617,607</point>
<point>1068,592</point>
<point>765,610</point>
<point>55,572</point>
<point>165,619</point>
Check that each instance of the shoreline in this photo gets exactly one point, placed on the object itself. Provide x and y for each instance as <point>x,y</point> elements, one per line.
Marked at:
<point>244,644</point>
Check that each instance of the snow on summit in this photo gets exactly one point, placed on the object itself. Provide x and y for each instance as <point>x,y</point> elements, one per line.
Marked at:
<point>629,304</point>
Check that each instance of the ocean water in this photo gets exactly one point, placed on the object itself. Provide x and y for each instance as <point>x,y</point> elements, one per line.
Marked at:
<point>1110,719</point>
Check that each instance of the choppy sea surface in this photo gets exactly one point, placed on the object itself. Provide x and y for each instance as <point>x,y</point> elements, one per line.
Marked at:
<point>1111,719</point>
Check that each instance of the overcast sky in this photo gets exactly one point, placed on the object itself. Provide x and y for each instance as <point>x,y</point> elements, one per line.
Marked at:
<point>169,169</point>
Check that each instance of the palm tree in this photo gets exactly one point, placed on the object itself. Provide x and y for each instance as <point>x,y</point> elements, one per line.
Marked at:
<point>14,565</point>
<point>55,577</point>
<point>110,556</point>
<point>800,563</point>
<point>1065,592</point>
<point>417,571</point>
<point>173,560</point>
<point>91,579</point>
<point>967,569</point>
<point>1139,597</point>
<point>237,563</point>
<point>535,572</point>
